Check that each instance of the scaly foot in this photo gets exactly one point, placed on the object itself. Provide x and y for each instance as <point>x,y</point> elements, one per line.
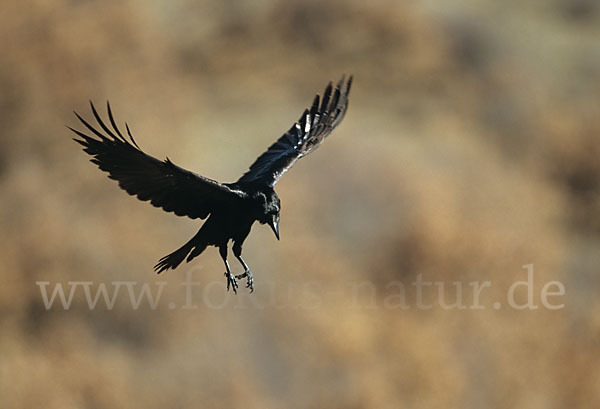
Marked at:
<point>231,282</point>
<point>250,279</point>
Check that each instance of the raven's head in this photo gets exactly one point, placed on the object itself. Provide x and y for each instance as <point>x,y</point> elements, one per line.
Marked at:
<point>270,207</point>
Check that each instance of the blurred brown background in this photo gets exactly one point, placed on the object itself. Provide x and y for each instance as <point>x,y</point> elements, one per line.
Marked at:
<point>470,149</point>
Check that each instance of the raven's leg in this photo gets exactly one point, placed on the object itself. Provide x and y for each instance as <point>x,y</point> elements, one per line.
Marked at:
<point>228,274</point>
<point>237,251</point>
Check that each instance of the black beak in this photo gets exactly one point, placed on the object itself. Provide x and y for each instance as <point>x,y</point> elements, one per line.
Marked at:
<point>274,223</point>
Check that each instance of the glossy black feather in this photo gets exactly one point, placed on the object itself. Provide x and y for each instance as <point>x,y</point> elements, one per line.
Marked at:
<point>303,137</point>
<point>163,183</point>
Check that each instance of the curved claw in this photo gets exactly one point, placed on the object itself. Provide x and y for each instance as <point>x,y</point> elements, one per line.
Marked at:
<point>250,284</point>
<point>249,280</point>
<point>231,282</point>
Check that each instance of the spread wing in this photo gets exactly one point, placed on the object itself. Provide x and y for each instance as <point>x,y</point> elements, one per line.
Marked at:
<point>163,183</point>
<point>303,137</point>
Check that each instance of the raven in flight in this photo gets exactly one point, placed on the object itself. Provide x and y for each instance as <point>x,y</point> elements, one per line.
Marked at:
<point>231,208</point>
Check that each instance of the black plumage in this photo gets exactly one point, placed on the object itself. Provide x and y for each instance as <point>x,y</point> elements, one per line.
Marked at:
<point>231,208</point>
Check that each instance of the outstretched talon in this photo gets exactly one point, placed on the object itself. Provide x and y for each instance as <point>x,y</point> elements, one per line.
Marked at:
<point>231,282</point>
<point>250,279</point>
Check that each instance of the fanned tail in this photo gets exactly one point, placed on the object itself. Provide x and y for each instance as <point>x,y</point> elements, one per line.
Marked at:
<point>171,261</point>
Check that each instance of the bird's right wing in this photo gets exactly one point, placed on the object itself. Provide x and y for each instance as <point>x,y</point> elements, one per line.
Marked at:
<point>163,183</point>
<point>303,137</point>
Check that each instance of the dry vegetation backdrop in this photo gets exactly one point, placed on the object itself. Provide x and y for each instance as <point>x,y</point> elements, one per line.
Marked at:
<point>471,148</point>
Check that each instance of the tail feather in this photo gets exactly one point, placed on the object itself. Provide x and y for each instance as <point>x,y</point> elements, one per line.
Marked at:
<point>196,252</point>
<point>171,261</point>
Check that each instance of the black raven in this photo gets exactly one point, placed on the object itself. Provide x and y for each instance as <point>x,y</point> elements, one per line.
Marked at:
<point>233,207</point>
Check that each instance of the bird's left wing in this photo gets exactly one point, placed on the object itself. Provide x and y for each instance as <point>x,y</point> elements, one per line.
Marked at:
<point>163,183</point>
<point>303,137</point>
